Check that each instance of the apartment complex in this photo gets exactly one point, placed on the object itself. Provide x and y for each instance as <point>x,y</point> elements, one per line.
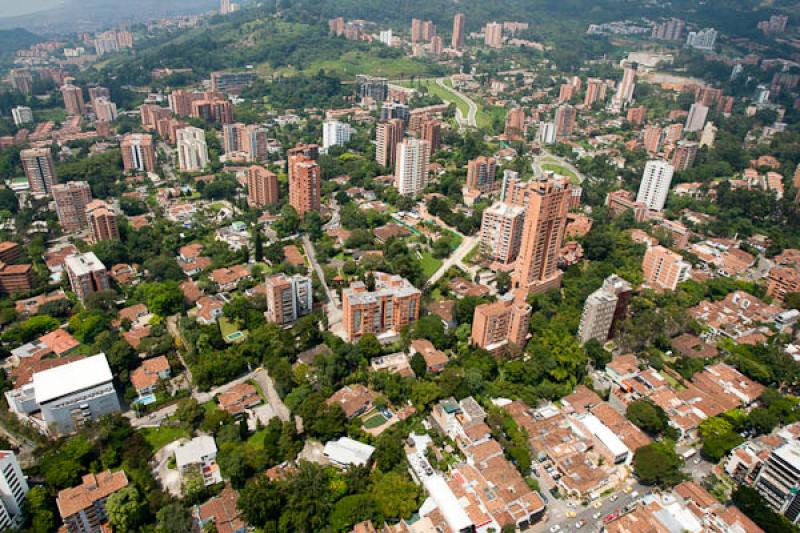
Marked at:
<point>603,308</point>
<point>21,115</point>
<point>457,41</point>
<point>86,273</point>
<point>71,199</point>
<point>335,133</point>
<point>684,155</point>
<point>412,166</point>
<point>392,304</point>
<point>514,128</point>
<point>73,100</point>
<point>192,149</point>
<point>83,508</point>
<point>595,91</point>
<point>13,488</point>
<point>387,136</point>
<point>138,153</point>
<point>262,187</point>
<point>696,120</point>
<point>231,82</point>
<point>481,175</point>
<point>102,222</point>
<point>624,95</point>
<point>39,168</point>
<point>304,184</point>
<point>493,35</point>
<point>779,478</point>
<point>502,324</point>
<point>664,269</point>
<point>655,184</point>
<point>501,232</point>
<point>784,277</point>
<point>565,121</point>
<point>15,278</point>
<point>248,140</point>
<point>288,298</point>
<point>545,223</point>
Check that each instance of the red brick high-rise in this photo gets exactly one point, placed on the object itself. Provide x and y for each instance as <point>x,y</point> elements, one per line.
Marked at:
<point>387,136</point>
<point>73,100</point>
<point>138,153</point>
<point>457,42</point>
<point>102,221</point>
<point>71,200</point>
<point>39,169</point>
<point>545,223</point>
<point>431,131</point>
<point>262,187</point>
<point>304,184</point>
<point>481,175</point>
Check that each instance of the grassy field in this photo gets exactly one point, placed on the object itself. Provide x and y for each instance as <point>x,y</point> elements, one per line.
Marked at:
<point>429,264</point>
<point>161,436</point>
<point>561,170</point>
<point>436,90</point>
<point>257,439</point>
<point>228,327</point>
<point>357,62</point>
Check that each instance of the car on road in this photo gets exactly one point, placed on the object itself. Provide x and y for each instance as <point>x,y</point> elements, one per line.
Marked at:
<point>580,523</point>
<point>610,517</point>
<point>634,494</point>
<point>595,516</point>
<point>572,514</point>
<point>613,497</point>
<point>697,461</point>
<point>555,528</point>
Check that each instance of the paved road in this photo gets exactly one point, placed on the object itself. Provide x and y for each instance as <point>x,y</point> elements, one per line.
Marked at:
<point>470,119</point>
<point>456,257</point>
<point>258,375</point>
<point>333,309</point>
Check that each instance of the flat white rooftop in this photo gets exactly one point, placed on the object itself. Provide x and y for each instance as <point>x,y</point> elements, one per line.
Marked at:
<point>72,377</point>
<point>82,264</point>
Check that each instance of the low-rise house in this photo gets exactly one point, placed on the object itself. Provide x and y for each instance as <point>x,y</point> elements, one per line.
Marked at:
<point>737,316</point>
<point>30,306</point>
<point>239,398</point>
<point>445,310</point>
<point>59,342</point>
<point>209,309</point>
<point>353,399</point>
<point>191,292</point>
<point>395,363</point>
<point>384,233</point>
<point>83,508</point>
<point>435,360</point>
<point>463,287</point>
<point>227,279</point>
<point>136,314</point>
<point>199,455</point>
<point>124,274</point>
<point>148,374</point>
<point>220,512</point>
<point>347,452</point>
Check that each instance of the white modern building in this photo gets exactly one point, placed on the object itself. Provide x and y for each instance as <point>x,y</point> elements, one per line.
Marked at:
<point>385,37</point>
<point>68,395</point>
<point>702,39</point>
<point>624,94</point>
<point>13,488</point>
<point>696,120</point>
<point>655,184</point>
<point>335,133</point>
<point>22,115</point>
<point>412,166</point>
<point>199,455</point>
<point>547,133</point>
<point>347,452</point>
<point>192,149</point>
<point>602,307</point>
<point>779,478</point>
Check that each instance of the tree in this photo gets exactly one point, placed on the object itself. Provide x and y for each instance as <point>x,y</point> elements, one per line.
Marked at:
<point>110,252</point>
<point>429,327</point>
<point>189,412</point>
<point>395,495</point>
<point>174,518</point>
<point>424,393</point>
<point>370,346</point>
<point>503,281</point>
<point>261,503</point>
<point>718,438</point>
<point>125,509</point>
<point>258,245</point>
<point>753,504</point>
<point>163,268</point>
<point>418,365</point>
<point>351,510</point>
<point>40,510</point>
<point>163,299</point>
<point>658,464</point>
<point>648,416</point>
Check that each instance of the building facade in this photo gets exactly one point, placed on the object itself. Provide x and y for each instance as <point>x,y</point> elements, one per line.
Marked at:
<point>86,273</point>
<point>392,304</point>
<point>40,169</point>
<point>192,149</point>
<point>71,199</point>
<point>102,222</point>
<point>288,298</point>
<point>664,269</point>
<point>138,153</point>
<point>411,170</point>
<point>501,232</point>
<point>262,187</point>
<point>655,184</point>
<point>503,324</point>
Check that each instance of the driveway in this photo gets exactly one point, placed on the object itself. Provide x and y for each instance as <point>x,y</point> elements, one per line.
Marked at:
<point>455,258</point>
<point>169,478</point>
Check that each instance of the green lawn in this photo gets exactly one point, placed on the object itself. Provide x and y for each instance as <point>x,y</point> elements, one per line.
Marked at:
<point>561,170</point>
<point>228,328</point>
<point>435,89</point>
<point>209,407</point>
<point>429,264</point>
<point>374,421</point>
<point>257,439</point>
<point>358,62</point>
<point>161,436</point>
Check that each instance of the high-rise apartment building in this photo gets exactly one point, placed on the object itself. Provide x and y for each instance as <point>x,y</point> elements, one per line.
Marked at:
<point>83,508</point>
<point>150,114</point>
<point>102,222</point>
<point>673,133</point>
<point>21,115</point>
<point>547,133</point>
<point>288,298</point>
<point>86,273</point>
<point>669,30</point>
<point>13,488</point>
<point>501,232</point>
<point>393,303</point>
<point>412,167</point>
<point>624,95</point>
<point>566,93</point>
<point>232,82</point>
<point>709,135</point>
<point>192,149</point>
<point>97,92</point>
<point>565,121</point>
<point>502,325</point>
<point>73,99</point>
<point>702,39</point>
<point>493,35</point>
<point>696,120</point>
<point>778,479</point>
<point>335,133</point>
<point>371,88</point>
<point>71,199</point>
<point>180,101</point>
<point>684,155</point>
<point>652,139</point>
<point>105,110</point>
<point>416,30</point>
<point>225,7</point>
<point>213,108</point>
<point>428,30</point>
<point>636,115</point>
<point>457,42</point>
<point>603,308</point>
<point>387,136</point>
<point>431,131</point>
<point>481,174</point>
<point>595,91</point>
<point>304,184</point>
<point>262,187</point>
<point>545,222</point>
<point>15,278</point>
<point>655,184</point>
<point>138,153</point>
<point>664,269</point>
<point>40,169</point>
<point>515,124</point>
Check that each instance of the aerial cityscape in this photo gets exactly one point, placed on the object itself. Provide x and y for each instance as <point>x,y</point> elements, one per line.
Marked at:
<point>360,266</point>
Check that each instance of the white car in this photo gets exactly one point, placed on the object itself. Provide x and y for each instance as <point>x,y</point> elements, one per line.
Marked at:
<point>634,494</point>
<point>555,528</point>
<point>613,497</point>
<point>595,516</point>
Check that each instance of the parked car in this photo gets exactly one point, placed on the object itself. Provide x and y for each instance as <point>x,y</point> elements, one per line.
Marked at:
<point>580,523</point>
<point>555,528</point>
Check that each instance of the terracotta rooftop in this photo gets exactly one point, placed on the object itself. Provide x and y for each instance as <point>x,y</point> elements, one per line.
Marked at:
<point>59,341</point>
<point>352,399</point>
<point>223,512</point>
<point>93,488</point>
<point>146,375</point>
